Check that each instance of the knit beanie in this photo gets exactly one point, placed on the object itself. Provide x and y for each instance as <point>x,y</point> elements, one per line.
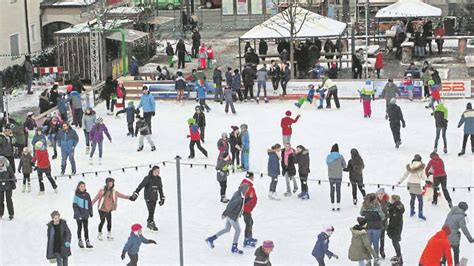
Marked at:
<point>136,227</point>
<point>268,244</point>
<point>288,113</point>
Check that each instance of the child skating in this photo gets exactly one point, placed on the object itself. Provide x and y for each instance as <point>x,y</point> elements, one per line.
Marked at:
<point>142,127</point>
<point>308,98</point>
<point>130,111</point>
<point>322,95</point>
<point>132,247</point>
<point>321,248</point>
<point>26,167</point>
<point>367,94</point>
<point>195,138</point>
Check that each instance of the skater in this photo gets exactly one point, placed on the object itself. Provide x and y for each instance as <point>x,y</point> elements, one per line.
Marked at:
<point>367,94</point>
<point>147,101</point>
<point>76,106</point>
<point>336,164</point>
<point>26,167</point>
<point>437,247</point>
<point>322,96</point>
<point>210,56</point>
<point>467,118</point>
<point>383,199</point>
<point>331,87</point>
<point>196,37</point>
<point>130,111</point>
<point>169,54</point>
<point>235,143</point>
<point>275,75</point>
<point>202,56</point>
<point>144,129</point>
<point>7,185</point>
<point>285,125</point>
<point>7,140</point>
<point>231,214</point>
<point>223,145</point>
<point>217,79</point>
<point>355,166</point>
<point>408,82</point>
<point>107,201</point>
<point>274,169</point>
<point>38,136</point>
<point>244,153</point>
<point>67,141</point>
<point>395,227</point>
<point>236,85</point>
<point>457,220</point>
<point>58,247</point>
<point>360,249</point>
<point>321,248</point>
<point>308,98</point>
<point>288,169</point>
<point>228,77</point>
<point>302,159</point>
<point>436,167</point>
<point>222,168</point>
<point>88,121</point>
<point>416,175</point>
<point>262,77</point>
<point>372,212</point>
<point>153,186</point>
<point>52,130</point>
<point>132,247</point>
<point>248,77</point>
<point>63,106</point>
<point>249,204</point>
<point>390,91</point>
<point>262,254</point>
<point>395,116</point>
<point>97,137</point>
<point>200,118</point>
<point>195,138</point>
<point>82,206</point>
<point>180,85</point>
<point>201,97</point>
<point>435,95</point>
<point>229,101</point>
<point>43,166</point>
<point>441,123</point>
<point>285,75</point>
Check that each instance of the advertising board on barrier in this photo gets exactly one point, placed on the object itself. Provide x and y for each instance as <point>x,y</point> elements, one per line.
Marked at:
<point>166,89</point>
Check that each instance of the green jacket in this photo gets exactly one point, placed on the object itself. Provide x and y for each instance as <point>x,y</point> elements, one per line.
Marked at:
<point>360,248</point>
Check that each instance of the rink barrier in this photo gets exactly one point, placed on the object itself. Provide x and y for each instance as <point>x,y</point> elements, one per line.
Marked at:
<point>212,166</point>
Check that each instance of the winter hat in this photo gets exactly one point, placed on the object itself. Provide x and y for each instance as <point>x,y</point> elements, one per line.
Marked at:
<point>335,148</point>
<point>249,175</point>
<point>136,227</point>
<point>191,121</point>
<point>244,126</point>
<point>463,205</point>
<point>99,120</point>
<point>39,145</point>
<point>144,88</point>
<point>288,113</point>
<point>408,74</point>
<point>130,104</point>
<point>243,188</point>
<point>469,106</point>
<point>431,82</point>
<point>329,230</point>
<point>361,221</point>
<point>368,82</point>
<point>310,86</point>
<point>417,158</point>
<point>268,244</point>
<point>381,190</point>
<point>234,128</point>
<point>446,228</point>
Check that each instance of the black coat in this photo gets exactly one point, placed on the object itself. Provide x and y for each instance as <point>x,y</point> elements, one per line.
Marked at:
<point>181,49</point>
<point>303,163</point>
<point>261,258</point>
<point>6,145</point>
<point>200,119</point>
<point>439,119</point>
<point>262,47</point>
<point>395,220</point>
<point>153,186</point>
<point>248,76</point>
<point>355,172</point>
<point>395,115</point>
<point>65,240</point>
<point>169,50</point>
<point>196,39</point>
<point>234,140</point>
<point>7,180</point>
<point>290,168</point>
<point>372,215</point>
<point>53,98</point>
<point>274,72</point>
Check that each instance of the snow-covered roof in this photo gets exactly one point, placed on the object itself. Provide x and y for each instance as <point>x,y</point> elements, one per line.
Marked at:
<point>409,9</point>
<point>84,28</point>
<point>312,25</point>
<point>125,10</point>
<point>74,3</point>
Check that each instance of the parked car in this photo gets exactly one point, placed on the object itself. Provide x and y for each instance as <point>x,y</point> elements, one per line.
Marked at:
<point>168,4</point>
<point>211,3</point>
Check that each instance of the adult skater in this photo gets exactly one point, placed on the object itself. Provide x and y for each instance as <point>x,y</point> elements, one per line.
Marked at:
<point>395,117</point>
<point>153,185</point>
<point>331,88</point>
<point>132,247</point>
<point>335,162</point>
<point>262,254</point>
<point>231,214</point>
<point>285,125</point>
<point>360,249</point>
<point>321,248</point>
<point>6,145</point>
<point>436,167</point>
<point>58,247</point>
<point>222,168</point>
<point>288,169</point>
<point>67,141</point>
<point>235,143</point>
<point>107,199</point>
<point>275,74</point>
<point>88,121</point>
<point>82,206</point>
<point>195,138</point>
<point>383,199</point>
<point>372,212</point>
<point>97,137</point>
<point>262,77</point>
<point>355,166</point>
<point>467,118</point>
<point>395,227</point>
<point>43,166</point>
<point>223,144</point>
<point>390,91</point>
<point>229,100</point>
<point>367,95</point>
<point>441,123</point>
<point>7,185</point>
<point>249,204</point>
<point>302,159</point>
<point>200,118</point>
<point>437,247</point>
<point>217,79</point>
<point>147,101</point>
<point>76,106</point>
<point>457,220</point>
<point>415,173</point>
<point>274,169</point>
<point>245,138</point>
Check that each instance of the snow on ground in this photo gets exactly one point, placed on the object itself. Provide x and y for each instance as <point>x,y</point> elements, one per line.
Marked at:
<point>292,224</point>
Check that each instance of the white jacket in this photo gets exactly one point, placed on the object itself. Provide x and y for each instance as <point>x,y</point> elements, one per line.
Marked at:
<point>414,172</point>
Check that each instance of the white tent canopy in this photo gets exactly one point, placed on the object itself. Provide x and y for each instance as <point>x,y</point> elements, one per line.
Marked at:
<point>314,25</point>
<point>408,9</point>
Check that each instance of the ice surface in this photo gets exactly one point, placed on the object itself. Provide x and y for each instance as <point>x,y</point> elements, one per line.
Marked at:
<point>292,224</point>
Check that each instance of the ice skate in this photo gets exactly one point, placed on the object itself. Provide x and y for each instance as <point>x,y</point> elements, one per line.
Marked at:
<point>445,150</point>
<point>421,216</point>
<point>265,99</point>
<point>28,188</point>
<point>248,243</point>
<point>274,196</point>
<point>287,194</point>
<point>88,149</point>
<point>305,196</point>
<point>224,199</point>
<point>99,236</point>
<point>24,189</point>
<point>338,207</point>
<point>41,193</point>
<point>333,207</point>
<point>210,241</point>
<point>140,148</point>
<point>153,148</point>
<point>88,244</point>
<point>10,217</point>
<point>100,160</point>
<point>354,201</point>
<point>91,162</point>
<point>295,190</point>
<point>235,250</point>
<point>109,236</point>
<point>152,226</point>
<point>412,212</point>
<point>80,244</point>
<point>56,191</point>
<point>463,151</point>
<point>258,100</point>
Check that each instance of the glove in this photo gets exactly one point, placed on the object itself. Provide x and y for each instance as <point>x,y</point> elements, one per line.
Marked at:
<point>403,124</point>
<point>152,242</point>
<point>429,183</point>
<point>52,261</point>
<point>152,113</point>
<point>162,201</point>
<point>67,244</point>
<point>122,256</point>
<point>34,168</point>
<point>133,197</point>
<point>335,256</point>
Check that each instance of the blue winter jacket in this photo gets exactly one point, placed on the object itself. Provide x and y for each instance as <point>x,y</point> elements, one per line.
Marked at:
<point>273,164</point>
<point>37,138</point>
<point>245,141</point>
<point>147,101</point>
<point>133,243</point>
<point>62,105</point>
<point>321,247</point>
<point>75,98</point>
<point>236,80</point>
<point>310,95</point>
<point>467,119</point>
<point>67,140</point>
<point>201,92</point>
<point>130,111</point>
<point>82,206</point>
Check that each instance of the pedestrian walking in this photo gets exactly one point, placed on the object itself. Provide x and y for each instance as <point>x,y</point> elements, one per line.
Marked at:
<point>169,54</point>
<point>58,246</point>
<point>336,163</point>
<point>415,174</point>
<point>378,63</point>
<point>181,52</point>
<point>82,206</point>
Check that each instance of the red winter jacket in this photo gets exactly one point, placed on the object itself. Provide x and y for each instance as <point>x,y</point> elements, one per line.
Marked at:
<point>379,60</point>
<point>194,133</point>
<point>286,124</point>
<point>436,166</point>
<point>250,196</point>
<point>42,159</point>
<point>437,247</point>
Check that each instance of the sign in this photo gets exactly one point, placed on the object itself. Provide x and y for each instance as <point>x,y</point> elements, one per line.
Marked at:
<point>227,7</point>
<point>242,7</point>
<point>256,7</point>
<point>166,89</point>
<point>456,89</point>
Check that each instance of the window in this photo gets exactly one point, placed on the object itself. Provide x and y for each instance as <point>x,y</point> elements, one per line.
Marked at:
<point>33,32</point>
<point>14,46</point>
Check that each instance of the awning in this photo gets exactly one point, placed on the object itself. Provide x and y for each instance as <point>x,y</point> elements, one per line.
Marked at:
<point>409,9</point>
<point>159,20</point>
<point>130,35</point>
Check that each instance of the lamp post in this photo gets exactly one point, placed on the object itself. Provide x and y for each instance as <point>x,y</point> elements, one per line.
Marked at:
<point>367,4</point>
